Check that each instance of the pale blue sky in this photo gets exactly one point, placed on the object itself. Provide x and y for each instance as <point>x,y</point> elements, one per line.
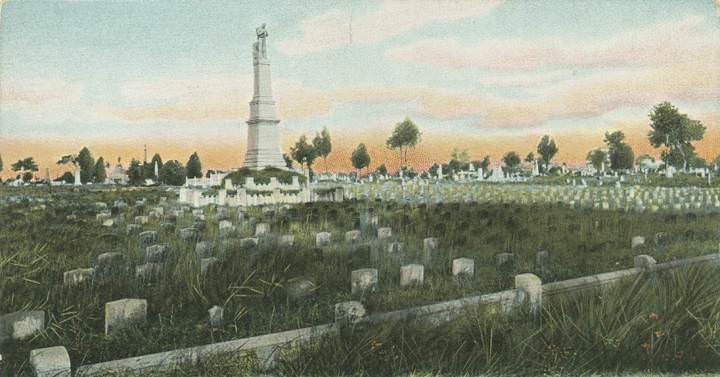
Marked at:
<point>93,69</point>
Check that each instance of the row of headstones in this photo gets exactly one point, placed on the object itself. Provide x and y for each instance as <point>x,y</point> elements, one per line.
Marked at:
<point>119,314</point>
<point>365,280</point>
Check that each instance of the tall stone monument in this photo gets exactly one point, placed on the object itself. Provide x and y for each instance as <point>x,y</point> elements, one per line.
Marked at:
<point>263,139</point>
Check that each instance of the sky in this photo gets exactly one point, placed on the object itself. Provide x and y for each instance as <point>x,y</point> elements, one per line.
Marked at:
<point>485,76</point>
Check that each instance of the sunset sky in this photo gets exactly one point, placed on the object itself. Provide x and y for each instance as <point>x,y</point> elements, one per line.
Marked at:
<point>486,76</point>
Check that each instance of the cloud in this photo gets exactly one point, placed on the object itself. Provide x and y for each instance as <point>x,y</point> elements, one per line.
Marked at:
<point>39,92</point>
<point>337,27</point>
<point>209,98</point>
<point>686,40</point>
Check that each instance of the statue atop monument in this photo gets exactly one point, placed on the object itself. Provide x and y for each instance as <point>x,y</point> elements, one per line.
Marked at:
<point>261,45</point>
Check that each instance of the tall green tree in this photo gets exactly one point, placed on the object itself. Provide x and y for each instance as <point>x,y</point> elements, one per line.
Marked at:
<point>530,157</point>
<point>1,164</point>
<point>597,157</point>
<point>511,160</point>
<point>87,165</point>
<point>172,173</point>
<point>484,164</point>
<point>193,167</point>
<point>360,157</point>
<point>405,135</point>
<point>547,149</point>
<point>323,145</point>
<point>620,153</point>
<point>134,172</point>
<point>381,170</point>
<point>99,173</point>
<point>303,152</point>
<point>26,168</point>
<point>676,132</point>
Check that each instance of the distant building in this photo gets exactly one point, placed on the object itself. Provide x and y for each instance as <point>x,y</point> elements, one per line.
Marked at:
<point>118,175</point>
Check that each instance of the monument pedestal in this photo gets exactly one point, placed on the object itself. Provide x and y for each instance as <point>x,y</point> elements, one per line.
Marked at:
<point>263,138</point>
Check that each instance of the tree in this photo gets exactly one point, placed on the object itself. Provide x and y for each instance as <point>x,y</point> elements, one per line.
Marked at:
<point>67,177</point>
<point>530,157</point>
<point>360,157</point>
<point>484,164</point>
<point>134,172</point>
<point>381,170</point>
<point>303,152</point>
<point>597,158</point>
<point>99,173</point>
<point>288,161</point>
<point>620,154</point>
<point>511,161</point>
<point>546,149</point>
<point>1,164</point>
<point>172,173</point>
<point>675,132</point>
<point>87,165</point>
<point>405,135</point>
<point>323,145</point>
<point>194,167</point>
<point>26,167</point>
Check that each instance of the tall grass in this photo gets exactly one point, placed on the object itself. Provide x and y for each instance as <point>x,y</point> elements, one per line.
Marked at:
<point>40,244</point>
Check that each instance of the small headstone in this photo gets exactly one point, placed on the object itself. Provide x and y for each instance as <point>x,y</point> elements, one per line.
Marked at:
<point>156,253</point>
<point>123,313</point>
<point>287,240</point>
<point>637,241</point>
<point>349,312</point>
<point>262,229</point>
<point>430,246</point>
<point>224,224</point>
<point>204,249</point>
<point>207,263</point>
<point>50,362</point>
<point>411,274</point>
<point>147,238</point>
<point>215,316</point>
<point>464,267</point>
<point>187,234</point>
<point>384,234</point>
<point>132,229</point>
<point>110,261</point>
<point>21,324</point>
<point>531,287</point>
<point>322,239</point>
<point>395,247</point>
<point>644,262</point>
<point>141,220</point>
<point>364,280</point>
<point>504,258</point>
<point>300,288</point>
<point>542,259</point>
<point>353,237</point>
<point>248,243</point>
<point>147,271</point>
<point>77,276</point>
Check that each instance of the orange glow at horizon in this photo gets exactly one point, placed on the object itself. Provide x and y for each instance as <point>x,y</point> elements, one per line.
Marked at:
<point>227,153</point>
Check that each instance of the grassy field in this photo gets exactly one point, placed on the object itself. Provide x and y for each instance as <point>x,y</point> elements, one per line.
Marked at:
<point>39,244</point>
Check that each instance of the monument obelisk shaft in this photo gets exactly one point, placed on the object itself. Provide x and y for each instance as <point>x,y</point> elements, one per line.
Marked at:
<point>263,139</point>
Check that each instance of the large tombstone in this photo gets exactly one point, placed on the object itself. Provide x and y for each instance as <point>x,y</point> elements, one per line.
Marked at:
<point>78,276</point>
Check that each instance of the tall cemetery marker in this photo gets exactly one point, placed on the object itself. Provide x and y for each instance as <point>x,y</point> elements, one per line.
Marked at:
<point>263,140</point>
